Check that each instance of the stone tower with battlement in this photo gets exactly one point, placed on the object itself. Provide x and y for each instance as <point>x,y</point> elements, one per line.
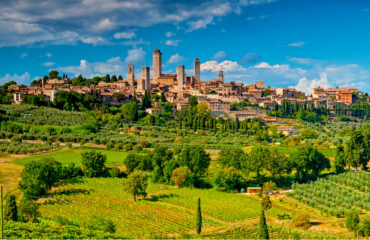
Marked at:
<point>221,76</point>
<point>145,77</point>
<point>157,64</point>
<point>197,70</point>
<point>131,75</point>
<point>181,77</point>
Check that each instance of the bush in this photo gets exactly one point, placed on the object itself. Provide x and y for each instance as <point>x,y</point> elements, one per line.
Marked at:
<point>128,147</point>
<point>71,171</point>
<point>28,211</point>
<point>93,163</point>
<point>100,223</point>
<point>227,178</point>
<point>302,220</point>
<point>352,221</point>
<point>144,143</point>
<point>364,229</point>
<point>114,172</point>
<point>39,176</point>
<point>11,210</point>
<point>182,176</point>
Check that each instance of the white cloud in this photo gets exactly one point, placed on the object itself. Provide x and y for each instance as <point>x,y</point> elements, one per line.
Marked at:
<point>23,55</point>
<point>170,42</point>
<point>307,86</point>
<point>20,79</point>
<point>48,54</point>
<point>38,21</point>
<point>220,55</point>
<point>124,35</point>
<point>296,44</point>
<point>226,66</point>
<point>93,40</point>
<point>170,34</point>
<point>48,64</point>
<point>175,59</point>
<point>111,66</point>
<point>135,56</point>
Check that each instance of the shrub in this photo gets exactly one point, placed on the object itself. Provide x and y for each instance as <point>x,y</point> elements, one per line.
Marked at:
<point>28,210</point>
<point>352,221</point>
<point>302,220</point>
<point>227,178</point>
<point>39,176</point>
<point>100,223</point>
<point>93,163</point>
<point>182,176</point>
<point>11,210</point>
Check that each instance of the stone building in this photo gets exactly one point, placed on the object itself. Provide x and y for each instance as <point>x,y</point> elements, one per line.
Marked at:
<point>157,64</point>
<point>221,76</point>
<point>180,72</point>
<point>131,75</point>
<point>197,70</point>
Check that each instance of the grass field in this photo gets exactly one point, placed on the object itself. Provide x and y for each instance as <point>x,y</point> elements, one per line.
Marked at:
<point>67,156</point>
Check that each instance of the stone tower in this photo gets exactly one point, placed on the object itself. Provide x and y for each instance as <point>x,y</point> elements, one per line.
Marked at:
<point>157,64</point>
<point>221,76</point>
<point>197,70</point>
<point>180,71</point>
<point>145,76</point>
<point>131,75</point>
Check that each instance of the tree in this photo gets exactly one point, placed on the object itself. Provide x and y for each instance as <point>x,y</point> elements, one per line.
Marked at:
<point>352,221</point>
<point>182,177</point>
<point>11,210</point>
<point>39,176</point>
<point>302,220</point>
<point>232,157</point>
<point>263,232</point>
<point>227,178</point>
<point>163,98</point>
<point>199,218</point>
<point>131,111</point>
<point>53,74</point>
<point>308,163</point>
<point>266,202</point>
<point>196,159</point>
<point>93,163</point>
<point>136,184</point>
<point>358,148</point>
<point>339,160</point>
<point>28,210</point>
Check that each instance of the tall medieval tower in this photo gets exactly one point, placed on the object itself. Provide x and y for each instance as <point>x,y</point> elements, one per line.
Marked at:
<point>221,76</point>
<point>131,75</point>
<point>157,64</point>
<point>145,76</point>
<point>197,70</point>
<point>181,77</point>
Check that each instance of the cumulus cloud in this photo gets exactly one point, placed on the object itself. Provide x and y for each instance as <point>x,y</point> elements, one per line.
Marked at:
<point>176,58</point>
<point>124,35</point>
<point>26,22</point>
<point>220,55</point>
<point>135,56</point>
<point>93,40</point>
<point>111,66</point>
<point>170,42</point>
<point>114,65</point>
<point>20,79</point>
<point>48,64</point>
<point>226,66</point>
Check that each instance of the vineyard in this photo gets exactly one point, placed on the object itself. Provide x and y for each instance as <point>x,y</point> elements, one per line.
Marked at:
<point>275,232</point>
<point>337,195</point>
<point>105,197</point>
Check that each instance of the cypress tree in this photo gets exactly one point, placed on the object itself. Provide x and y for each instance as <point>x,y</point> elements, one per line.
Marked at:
<point>11,210</point>
<point>263,231</point>
<point>199,218</point>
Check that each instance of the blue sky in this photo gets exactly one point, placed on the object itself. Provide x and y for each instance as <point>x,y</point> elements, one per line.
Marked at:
<point>286,43</point>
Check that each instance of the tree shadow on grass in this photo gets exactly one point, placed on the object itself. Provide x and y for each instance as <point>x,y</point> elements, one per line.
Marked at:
<point>156,198</point>
<point>69,192</point>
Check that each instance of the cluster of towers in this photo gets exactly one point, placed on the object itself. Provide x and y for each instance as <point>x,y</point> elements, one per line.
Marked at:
<point>144,82</point>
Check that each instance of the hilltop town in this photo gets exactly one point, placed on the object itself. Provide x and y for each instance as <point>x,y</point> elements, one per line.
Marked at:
<point>218,94</point>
